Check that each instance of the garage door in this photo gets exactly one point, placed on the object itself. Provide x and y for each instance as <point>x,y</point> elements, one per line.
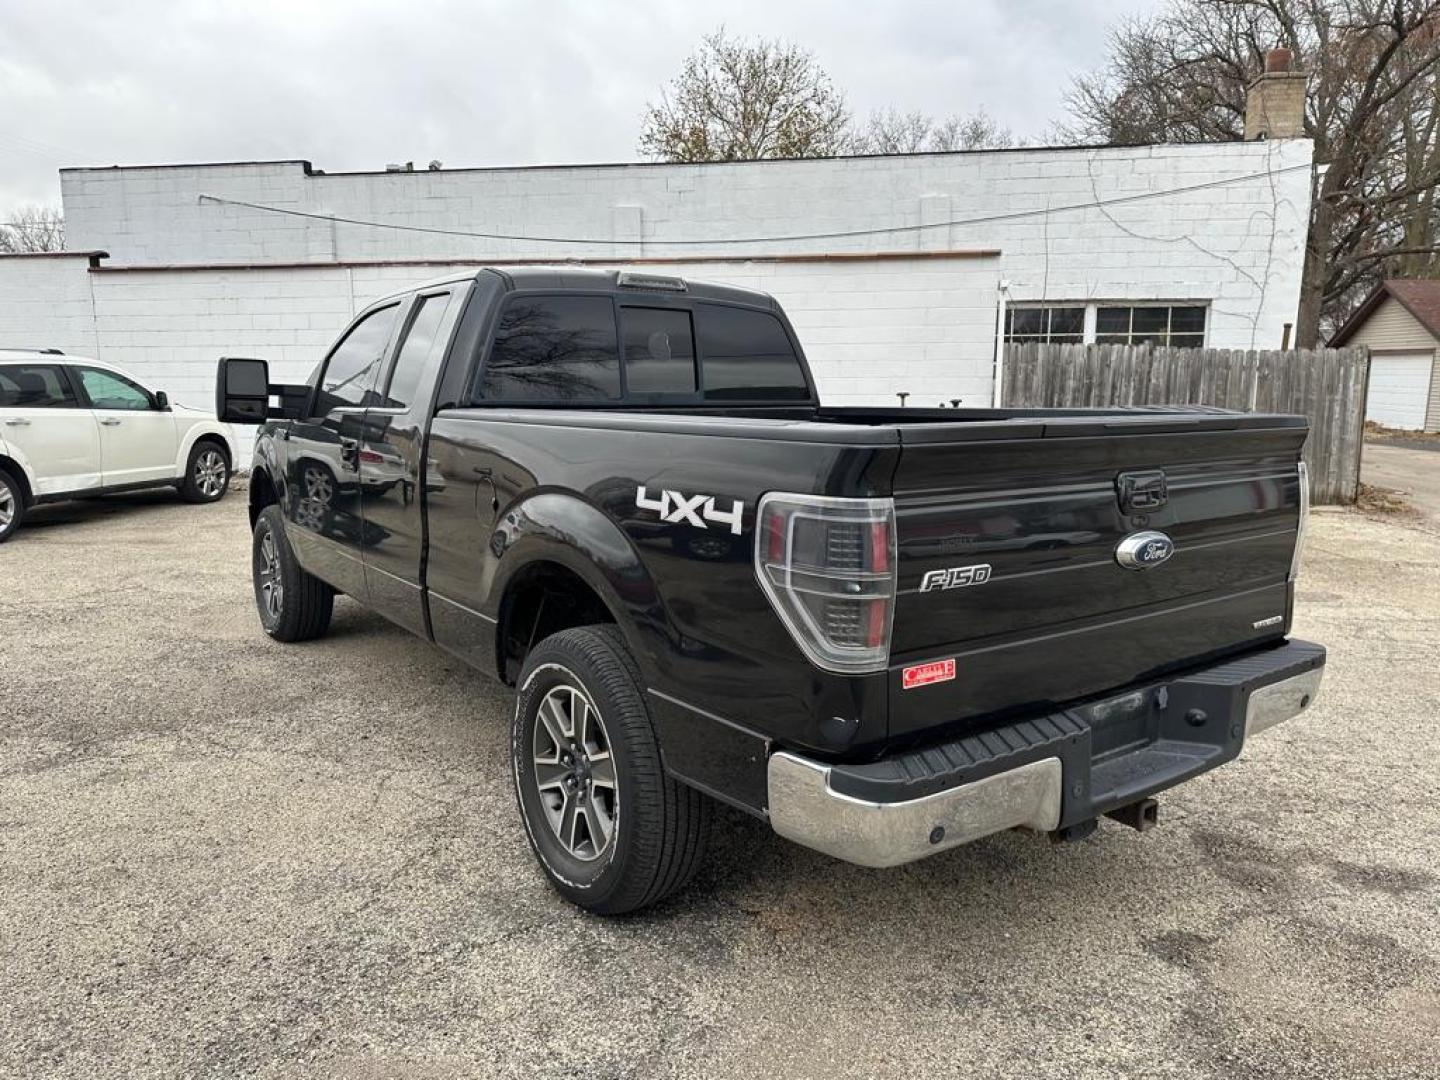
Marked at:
<point>1399,389</point>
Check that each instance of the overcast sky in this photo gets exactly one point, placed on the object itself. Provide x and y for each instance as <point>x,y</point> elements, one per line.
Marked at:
<point>357,84</point>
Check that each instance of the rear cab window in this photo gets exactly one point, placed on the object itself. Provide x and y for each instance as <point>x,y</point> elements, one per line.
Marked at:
<point>659,351</point>
<point>606,349</point>
<point>35,386</point>
<point>746,355</point>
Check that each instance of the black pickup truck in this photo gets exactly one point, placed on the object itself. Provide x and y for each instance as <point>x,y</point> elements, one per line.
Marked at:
<point>886,632</point>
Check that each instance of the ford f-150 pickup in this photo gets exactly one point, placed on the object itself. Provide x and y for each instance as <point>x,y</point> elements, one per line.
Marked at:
<point>886,632</point>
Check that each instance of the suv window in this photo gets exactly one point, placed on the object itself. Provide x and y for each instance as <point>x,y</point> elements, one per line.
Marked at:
<point>747,356</point>
<point>425,329</point>
<point>35,386</point>
<point>659,351</point>
<point>553,348</point>
<point>349,376</point>
<point>107,390</point>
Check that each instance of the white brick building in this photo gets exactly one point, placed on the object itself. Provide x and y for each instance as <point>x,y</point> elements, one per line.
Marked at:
<point>895,270</point>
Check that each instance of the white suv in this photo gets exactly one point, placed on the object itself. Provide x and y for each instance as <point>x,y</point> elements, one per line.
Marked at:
<point>72,427</point>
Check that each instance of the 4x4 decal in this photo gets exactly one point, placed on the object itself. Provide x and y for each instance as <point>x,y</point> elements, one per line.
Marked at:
<point>691,509</point>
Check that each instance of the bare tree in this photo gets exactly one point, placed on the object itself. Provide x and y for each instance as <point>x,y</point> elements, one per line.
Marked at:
<point>31,229</point>
<point>890,131</point>
<point>743,100</point>
<point>1374,95</point>
<point>978,131</point>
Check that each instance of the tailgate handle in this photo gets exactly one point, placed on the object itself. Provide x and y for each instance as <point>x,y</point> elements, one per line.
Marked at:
<point>1141,492</point>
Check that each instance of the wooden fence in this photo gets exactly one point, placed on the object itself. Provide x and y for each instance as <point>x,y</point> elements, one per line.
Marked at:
<point>1326,385</point>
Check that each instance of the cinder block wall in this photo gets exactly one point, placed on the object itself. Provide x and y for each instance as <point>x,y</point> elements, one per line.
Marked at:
<point>1230,232</point>
<point>189,279</point>
<point>45,303</point>
<point>869,329</point>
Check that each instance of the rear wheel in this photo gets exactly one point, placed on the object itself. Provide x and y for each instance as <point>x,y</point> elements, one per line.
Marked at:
<point>293,605</point>
<point>612,832</point>
<point>12,505</point>
<point>207,475</point>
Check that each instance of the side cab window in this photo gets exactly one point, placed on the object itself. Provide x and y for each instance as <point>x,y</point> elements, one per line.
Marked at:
<point>349,373</point>
<point>555,348</point>
<point>427,331</point>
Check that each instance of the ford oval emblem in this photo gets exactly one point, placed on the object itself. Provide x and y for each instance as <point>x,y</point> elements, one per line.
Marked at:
<point>1142,550</point>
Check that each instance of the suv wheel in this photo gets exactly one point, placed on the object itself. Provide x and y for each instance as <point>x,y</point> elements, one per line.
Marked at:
<point>293,605</point>
<point>207,476</point>
<point>12,506</point>
<point>612,832</point>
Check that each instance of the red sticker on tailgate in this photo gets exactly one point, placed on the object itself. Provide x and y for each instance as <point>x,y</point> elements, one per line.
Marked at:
<point>926,674</point>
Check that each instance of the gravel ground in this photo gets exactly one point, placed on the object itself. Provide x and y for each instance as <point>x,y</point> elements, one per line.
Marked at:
<point>224,856</point>
<point>1414,474</point>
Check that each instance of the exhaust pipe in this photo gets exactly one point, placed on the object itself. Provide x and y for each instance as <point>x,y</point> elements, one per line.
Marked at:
<point>1140,816</point>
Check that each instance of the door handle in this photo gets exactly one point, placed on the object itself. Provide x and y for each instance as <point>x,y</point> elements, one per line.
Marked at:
<point>18,421</point>
<point>109,421</point>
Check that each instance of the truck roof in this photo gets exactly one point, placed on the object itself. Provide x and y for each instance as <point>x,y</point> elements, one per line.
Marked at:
<point>583,278</point>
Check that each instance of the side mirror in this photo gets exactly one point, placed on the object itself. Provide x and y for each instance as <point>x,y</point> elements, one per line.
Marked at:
<point>162,401</point>
<point>242,390</point>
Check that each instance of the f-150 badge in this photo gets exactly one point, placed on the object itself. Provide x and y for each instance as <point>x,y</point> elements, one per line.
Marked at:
<point>691,509</point>
<point>955,577</point>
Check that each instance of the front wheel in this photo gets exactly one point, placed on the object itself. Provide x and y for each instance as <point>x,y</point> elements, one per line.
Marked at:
<point>612,832</point>
<point>12,506</point>
<point>293,605</point>
<point>207,475</point>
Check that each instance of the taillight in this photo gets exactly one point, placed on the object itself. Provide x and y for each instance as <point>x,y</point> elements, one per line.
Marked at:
<point>827,566</point>
<point>1304,521</point>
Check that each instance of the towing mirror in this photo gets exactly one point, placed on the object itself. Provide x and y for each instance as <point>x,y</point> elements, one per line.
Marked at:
<point>242,390</point>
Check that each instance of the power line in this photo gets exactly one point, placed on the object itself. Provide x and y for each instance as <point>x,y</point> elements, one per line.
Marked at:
<point>839,235</point>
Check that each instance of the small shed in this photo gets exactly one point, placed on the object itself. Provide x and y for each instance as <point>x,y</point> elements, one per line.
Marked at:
<point>1400,322</point>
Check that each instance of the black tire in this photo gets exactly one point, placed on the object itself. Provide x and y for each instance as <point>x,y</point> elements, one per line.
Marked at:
<point>659,827</point>
<point>207,473</point>
<point>12,505</point>
<point>304,604</point>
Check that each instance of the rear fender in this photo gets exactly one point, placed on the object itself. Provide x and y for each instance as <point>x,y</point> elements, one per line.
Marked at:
<point>14,461</point>
<point>561,528</point>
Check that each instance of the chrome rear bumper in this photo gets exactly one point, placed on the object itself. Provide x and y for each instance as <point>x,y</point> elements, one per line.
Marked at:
<point>1278,702</point>
<point>806,808</point>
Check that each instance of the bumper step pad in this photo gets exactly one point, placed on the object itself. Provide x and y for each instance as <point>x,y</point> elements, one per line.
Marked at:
<point>1112,752</point>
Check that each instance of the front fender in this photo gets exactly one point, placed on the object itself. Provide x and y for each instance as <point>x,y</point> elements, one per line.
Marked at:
<point>562,528</point>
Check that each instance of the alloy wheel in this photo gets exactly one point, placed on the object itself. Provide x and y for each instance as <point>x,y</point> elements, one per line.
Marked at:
<point>272,588</point>
<point>7,506</point>
<point>575,773</point>
<point>210,473</point>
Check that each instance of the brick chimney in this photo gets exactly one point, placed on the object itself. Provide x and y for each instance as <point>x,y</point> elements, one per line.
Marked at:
<point>1275,102</point>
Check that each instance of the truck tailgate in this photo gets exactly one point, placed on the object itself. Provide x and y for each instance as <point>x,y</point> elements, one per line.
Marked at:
<point>1055,617</point>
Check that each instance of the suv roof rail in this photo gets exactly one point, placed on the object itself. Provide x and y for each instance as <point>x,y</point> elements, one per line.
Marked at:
<point>48,351</point>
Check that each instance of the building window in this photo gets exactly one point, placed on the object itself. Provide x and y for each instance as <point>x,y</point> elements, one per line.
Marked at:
<point>1045,325</point>
<point>1181,327</point>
